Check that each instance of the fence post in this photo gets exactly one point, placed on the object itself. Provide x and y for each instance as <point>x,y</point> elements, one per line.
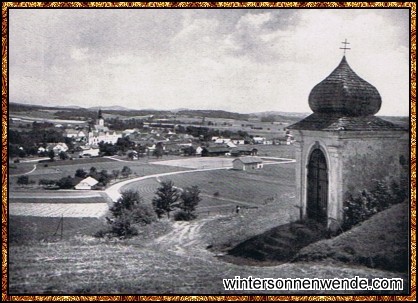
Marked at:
<point>62,225</point>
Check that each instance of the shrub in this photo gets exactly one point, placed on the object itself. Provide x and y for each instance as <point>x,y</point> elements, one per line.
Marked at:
<point>127,211</point>
<point>122,226</point>
<point>184,216</point>
<point>126,171</point>
<point>46,182</point>
<point>23,180</point>
<point>65,183</point>
<point>369,202</point>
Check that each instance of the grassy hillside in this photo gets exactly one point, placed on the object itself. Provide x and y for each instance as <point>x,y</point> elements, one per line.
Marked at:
<point>380,242</point>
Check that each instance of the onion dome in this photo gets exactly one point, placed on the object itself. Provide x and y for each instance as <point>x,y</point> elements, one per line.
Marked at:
<point>345,93</point>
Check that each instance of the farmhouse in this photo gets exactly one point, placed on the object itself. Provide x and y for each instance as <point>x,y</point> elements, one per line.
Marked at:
<point>86,183</point>
<point>90,152</point>
<point>247,163</point>
<point>244,151</point>
<point>76,135</point>
<point>56,147</point>
<point>259,140</point>
<point>215,151</point>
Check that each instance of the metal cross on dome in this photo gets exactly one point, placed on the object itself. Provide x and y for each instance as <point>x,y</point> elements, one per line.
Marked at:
<point>345,46</point>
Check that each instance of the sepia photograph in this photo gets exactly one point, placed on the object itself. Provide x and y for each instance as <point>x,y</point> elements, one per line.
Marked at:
<point>207,151</point>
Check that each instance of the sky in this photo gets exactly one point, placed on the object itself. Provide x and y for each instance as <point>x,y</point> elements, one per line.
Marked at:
<point>240,60</point>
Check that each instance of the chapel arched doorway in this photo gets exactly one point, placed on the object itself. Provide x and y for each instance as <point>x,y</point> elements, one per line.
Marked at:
<point>317,194</point>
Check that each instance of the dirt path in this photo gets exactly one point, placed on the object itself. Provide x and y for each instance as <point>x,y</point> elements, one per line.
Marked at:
<point>27,173</point>
<point>185,239</point>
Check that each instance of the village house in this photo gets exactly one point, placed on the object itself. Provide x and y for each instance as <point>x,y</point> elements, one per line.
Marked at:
<point>244,151</point>
<point>56,147</point>
<point>199,150</point>
<point>215,151</point>
<point>259,140</point>
<point>89,152</point>
<point>86,184</point>
<point>238,141</point>
<point>247,163</point>
<point>76,135</point>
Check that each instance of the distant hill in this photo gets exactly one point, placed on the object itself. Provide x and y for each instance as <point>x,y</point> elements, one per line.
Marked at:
<point>277,116</point>
<point>214,114</point>
<point>113,108</point>
<point>81,113</point>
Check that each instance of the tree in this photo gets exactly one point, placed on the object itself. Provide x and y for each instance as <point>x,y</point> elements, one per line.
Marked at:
<point>128,210</point>
<point>124,144</point>
<point>126,171</point>
<point>165,201</point>
<point>103,177</point>
<point>107,149</point>
<point>190,151</point>
<point>132,155</point>
<point>23,180</point>
<point>159,150</point>
<point>51,154</point>
<point>190,199</point>
<point>65,183</point>
<point>63,155</point>
<point>81,173</point>
<point>93,171</point>
<point>115,173</point>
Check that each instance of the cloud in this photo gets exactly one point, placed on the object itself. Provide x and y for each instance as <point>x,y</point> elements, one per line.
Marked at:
<point>238,60</point>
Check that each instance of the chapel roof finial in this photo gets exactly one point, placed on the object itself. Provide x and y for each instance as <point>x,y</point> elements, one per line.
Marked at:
<point>345,46</point>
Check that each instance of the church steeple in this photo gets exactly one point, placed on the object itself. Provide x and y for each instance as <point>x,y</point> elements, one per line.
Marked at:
<point>100,120</point>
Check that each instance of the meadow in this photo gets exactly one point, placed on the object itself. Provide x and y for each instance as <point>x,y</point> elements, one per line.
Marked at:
<point>167,257</point>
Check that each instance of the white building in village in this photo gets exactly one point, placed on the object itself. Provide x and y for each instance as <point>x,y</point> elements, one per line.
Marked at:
<point>247,163</point>
<point>86,183</point>
<point>102,133</point>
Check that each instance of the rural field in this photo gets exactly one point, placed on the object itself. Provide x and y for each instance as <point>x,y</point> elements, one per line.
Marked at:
<point>51,253</point>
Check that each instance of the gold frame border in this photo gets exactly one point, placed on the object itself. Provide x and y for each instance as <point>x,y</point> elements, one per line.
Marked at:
<point>4,162</point>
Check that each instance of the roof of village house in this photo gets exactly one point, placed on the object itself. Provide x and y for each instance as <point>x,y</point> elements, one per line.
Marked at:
<point>344,92</point>
<point>244,148</point>
<point>335,122</point>
<point>89,181</point>
<point>249,160</point>
<point>215,149</point>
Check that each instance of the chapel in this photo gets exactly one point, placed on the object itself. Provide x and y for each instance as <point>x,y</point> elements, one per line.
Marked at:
<point>342,147</point>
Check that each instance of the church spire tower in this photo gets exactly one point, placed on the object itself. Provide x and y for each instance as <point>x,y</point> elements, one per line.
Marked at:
<point>100,120</point>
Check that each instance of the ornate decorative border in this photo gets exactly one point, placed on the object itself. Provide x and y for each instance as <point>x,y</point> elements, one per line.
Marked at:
<point>4,165</point>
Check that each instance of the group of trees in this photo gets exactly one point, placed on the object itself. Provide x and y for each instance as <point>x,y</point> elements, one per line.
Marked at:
<point>206,134</point>
<point>24,143</point>
<point>168,198</point>
<point>361,206</point>
<point>130,208</point>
